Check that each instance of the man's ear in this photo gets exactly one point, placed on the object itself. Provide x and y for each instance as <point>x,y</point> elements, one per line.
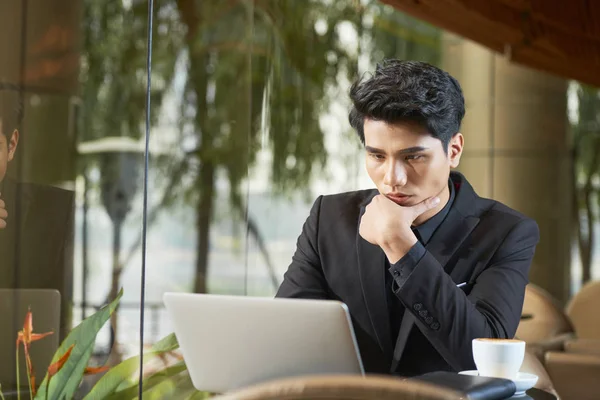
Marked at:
<point>455,149</point>
<point>12,144</point>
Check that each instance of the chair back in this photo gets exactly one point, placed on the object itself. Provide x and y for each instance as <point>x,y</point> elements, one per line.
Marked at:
<point>532,365</point>
<point>343,387</point>
<point>575,376</point>
<point>583,346</point>
<point>544,318</point>
<point>583,311</point>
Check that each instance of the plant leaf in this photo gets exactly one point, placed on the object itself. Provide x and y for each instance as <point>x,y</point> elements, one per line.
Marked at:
<point>166,384</point>
<point>168,343</point>
<point>67,380</point>
<point>165,375</point>
<point>120,374</point>
<point>198,395</point>
<point>172,386</point>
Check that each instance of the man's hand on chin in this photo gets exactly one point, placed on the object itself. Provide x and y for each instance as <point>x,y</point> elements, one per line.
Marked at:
<point>387,225</point>
<point>3,214</point>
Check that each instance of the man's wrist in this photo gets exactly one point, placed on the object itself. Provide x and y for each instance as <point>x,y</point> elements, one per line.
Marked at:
<point>399,247</point>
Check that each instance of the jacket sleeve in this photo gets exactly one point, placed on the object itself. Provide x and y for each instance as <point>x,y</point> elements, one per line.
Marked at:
<point>304,277</point>
<point>451,319</point>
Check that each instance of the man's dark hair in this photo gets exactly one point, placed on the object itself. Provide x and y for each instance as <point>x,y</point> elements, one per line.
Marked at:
<point>415,91</point>
<point>11,108</point>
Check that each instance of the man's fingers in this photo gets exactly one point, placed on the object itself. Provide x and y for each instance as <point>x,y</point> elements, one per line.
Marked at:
<point>425,205</point>
<point>3,216</point>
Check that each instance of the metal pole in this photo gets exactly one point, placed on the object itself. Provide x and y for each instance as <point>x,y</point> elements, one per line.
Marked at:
<point>84,245</point>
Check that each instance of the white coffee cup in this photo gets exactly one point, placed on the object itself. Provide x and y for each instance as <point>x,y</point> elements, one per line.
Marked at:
<point>499,358</point>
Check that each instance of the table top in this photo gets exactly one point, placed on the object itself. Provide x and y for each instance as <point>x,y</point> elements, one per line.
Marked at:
<point>535,394</point>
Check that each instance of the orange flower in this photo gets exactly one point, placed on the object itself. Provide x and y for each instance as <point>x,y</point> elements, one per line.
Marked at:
<point>57,366</point>
<point>26,336</point>
<point>95,370</point>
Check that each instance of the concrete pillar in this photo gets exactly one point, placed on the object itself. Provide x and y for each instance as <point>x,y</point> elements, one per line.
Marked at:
<point>516,148</point>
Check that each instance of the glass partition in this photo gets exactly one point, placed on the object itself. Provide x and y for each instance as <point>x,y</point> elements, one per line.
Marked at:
<point>248,125</point>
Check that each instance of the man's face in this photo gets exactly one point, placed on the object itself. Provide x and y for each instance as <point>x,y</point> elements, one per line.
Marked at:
<point>406,163</point>
<point>7,150</point>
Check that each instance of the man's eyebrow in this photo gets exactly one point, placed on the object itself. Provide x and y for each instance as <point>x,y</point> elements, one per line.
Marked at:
<point>370,149</point>
<point>414,149</point>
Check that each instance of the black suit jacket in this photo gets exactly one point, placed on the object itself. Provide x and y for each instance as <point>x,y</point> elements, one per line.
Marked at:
<point>481,242</point>
<point>36,247</point>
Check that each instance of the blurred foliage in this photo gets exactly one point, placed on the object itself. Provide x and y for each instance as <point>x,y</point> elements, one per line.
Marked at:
<point>397,35</point>
<point>585,125</point>
<point>232,79</point>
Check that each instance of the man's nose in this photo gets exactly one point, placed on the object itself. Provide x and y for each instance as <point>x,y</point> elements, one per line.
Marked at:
<point>395,174</point>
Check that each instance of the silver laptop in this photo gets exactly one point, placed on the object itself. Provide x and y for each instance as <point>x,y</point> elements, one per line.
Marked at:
<point>229,342</point>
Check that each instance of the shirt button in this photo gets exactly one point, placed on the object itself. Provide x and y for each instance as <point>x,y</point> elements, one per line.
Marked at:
<point>435,326</point>
<point>423,313</point>
<point>396,273</point>
<point>428,320</point>
<point>417,306</point>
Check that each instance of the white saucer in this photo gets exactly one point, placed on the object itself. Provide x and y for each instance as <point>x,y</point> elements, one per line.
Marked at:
<point>524,380</point>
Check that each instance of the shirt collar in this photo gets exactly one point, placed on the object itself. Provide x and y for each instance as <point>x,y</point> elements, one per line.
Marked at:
<point>426,230</point>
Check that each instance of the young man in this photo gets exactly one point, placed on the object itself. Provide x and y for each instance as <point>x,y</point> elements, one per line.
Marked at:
<point>10,115</point>
<point>423,263</point>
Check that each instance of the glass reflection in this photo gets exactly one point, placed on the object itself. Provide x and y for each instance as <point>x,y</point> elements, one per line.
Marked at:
<point>249,125</point>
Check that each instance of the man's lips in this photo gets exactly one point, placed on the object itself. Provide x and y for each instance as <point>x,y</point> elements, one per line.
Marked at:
<point>398,198</point>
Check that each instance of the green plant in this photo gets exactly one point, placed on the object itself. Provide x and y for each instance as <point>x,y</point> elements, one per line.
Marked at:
<point>172,381</point>
<point>70,364</point>
<point>585,127</point>
<point>80,342</point>
<point>26,336</point>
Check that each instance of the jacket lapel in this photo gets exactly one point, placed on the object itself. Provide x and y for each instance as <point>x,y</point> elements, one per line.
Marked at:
<point>371,265</point>
<point>447,239</point>
<point>462,218</point>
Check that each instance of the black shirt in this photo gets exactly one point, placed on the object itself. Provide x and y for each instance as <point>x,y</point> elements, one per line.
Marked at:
<point>406,264</point>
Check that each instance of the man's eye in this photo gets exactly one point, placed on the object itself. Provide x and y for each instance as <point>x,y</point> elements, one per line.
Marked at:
<point>413,157</point>
<point>376,156</point>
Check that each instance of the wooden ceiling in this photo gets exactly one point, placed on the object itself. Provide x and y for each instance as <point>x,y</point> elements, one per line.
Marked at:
<point>557,36</point>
